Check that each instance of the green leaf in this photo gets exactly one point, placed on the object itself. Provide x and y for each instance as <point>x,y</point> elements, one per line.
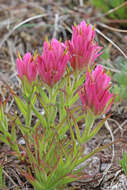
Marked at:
<point>89,120</point>
<point>43,105</point>
<point>123,162</point>
<point>2,183</point>
<point>106,54</point>
<point>4,139</point>
<point>62,112</point>
<point>79,80</point>
<point>28,114</point>
<point>40,117</point>
<point>51,119</point>
<point>75,125</point>
<point>71,132</point>
<point>97,128</point>
<point>22,107</point>
<point>34,99</point>
<point>89,155</point>
<point>43,94</point>
<point>74,99</point>
<point>13,134</point>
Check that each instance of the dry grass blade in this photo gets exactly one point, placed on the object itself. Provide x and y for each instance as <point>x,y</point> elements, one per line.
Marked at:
<point>19,25</point>
<point>4,78</point>
<point>119,21</point>
<point>111,28</point>
<point>12,181</point>
<point>29,19</point>
<point>121,128</point>
<point>108,39</point>
<point>113,151</point>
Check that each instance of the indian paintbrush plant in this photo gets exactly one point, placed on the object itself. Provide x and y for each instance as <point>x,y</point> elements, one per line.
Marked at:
<point>53,83</point>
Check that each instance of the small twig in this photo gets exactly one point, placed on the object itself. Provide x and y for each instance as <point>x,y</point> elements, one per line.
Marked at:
<point>9,106</point>
<point>56,26</point>
<point>111,28</point>
<point>68,28</point>
<point>81,3</point>
<point>121,127</point>
<point>116,175</point>
<point>113,151</point>
<point>5,173</point>
<point>108,39</point>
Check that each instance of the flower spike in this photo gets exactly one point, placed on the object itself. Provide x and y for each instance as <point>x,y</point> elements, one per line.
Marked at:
<point>52,63</point>
<point>95,94</point>
<point>83,50</point>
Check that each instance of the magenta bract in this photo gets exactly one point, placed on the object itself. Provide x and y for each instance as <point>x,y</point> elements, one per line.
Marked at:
<point>83,49</point>
<point>27,67</point>
<point>52,63</point>
<point>95,93</point>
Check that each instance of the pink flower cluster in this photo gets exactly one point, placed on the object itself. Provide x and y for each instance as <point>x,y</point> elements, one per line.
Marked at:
<point>27,67</point>
<point>83,49</point>
<point>52,62</point>
<point>95,93</point>
<point>50,65</point>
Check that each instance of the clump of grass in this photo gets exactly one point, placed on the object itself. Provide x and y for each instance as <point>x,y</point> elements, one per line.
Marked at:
<point>2,182</point>
<point>105,6</point>
<point>123,162</point>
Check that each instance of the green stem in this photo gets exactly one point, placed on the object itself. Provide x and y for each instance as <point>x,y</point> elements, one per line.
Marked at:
<point>75,81</point>
<point>29,108</point>
<point>89,120</point>
<point>52,110</point>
